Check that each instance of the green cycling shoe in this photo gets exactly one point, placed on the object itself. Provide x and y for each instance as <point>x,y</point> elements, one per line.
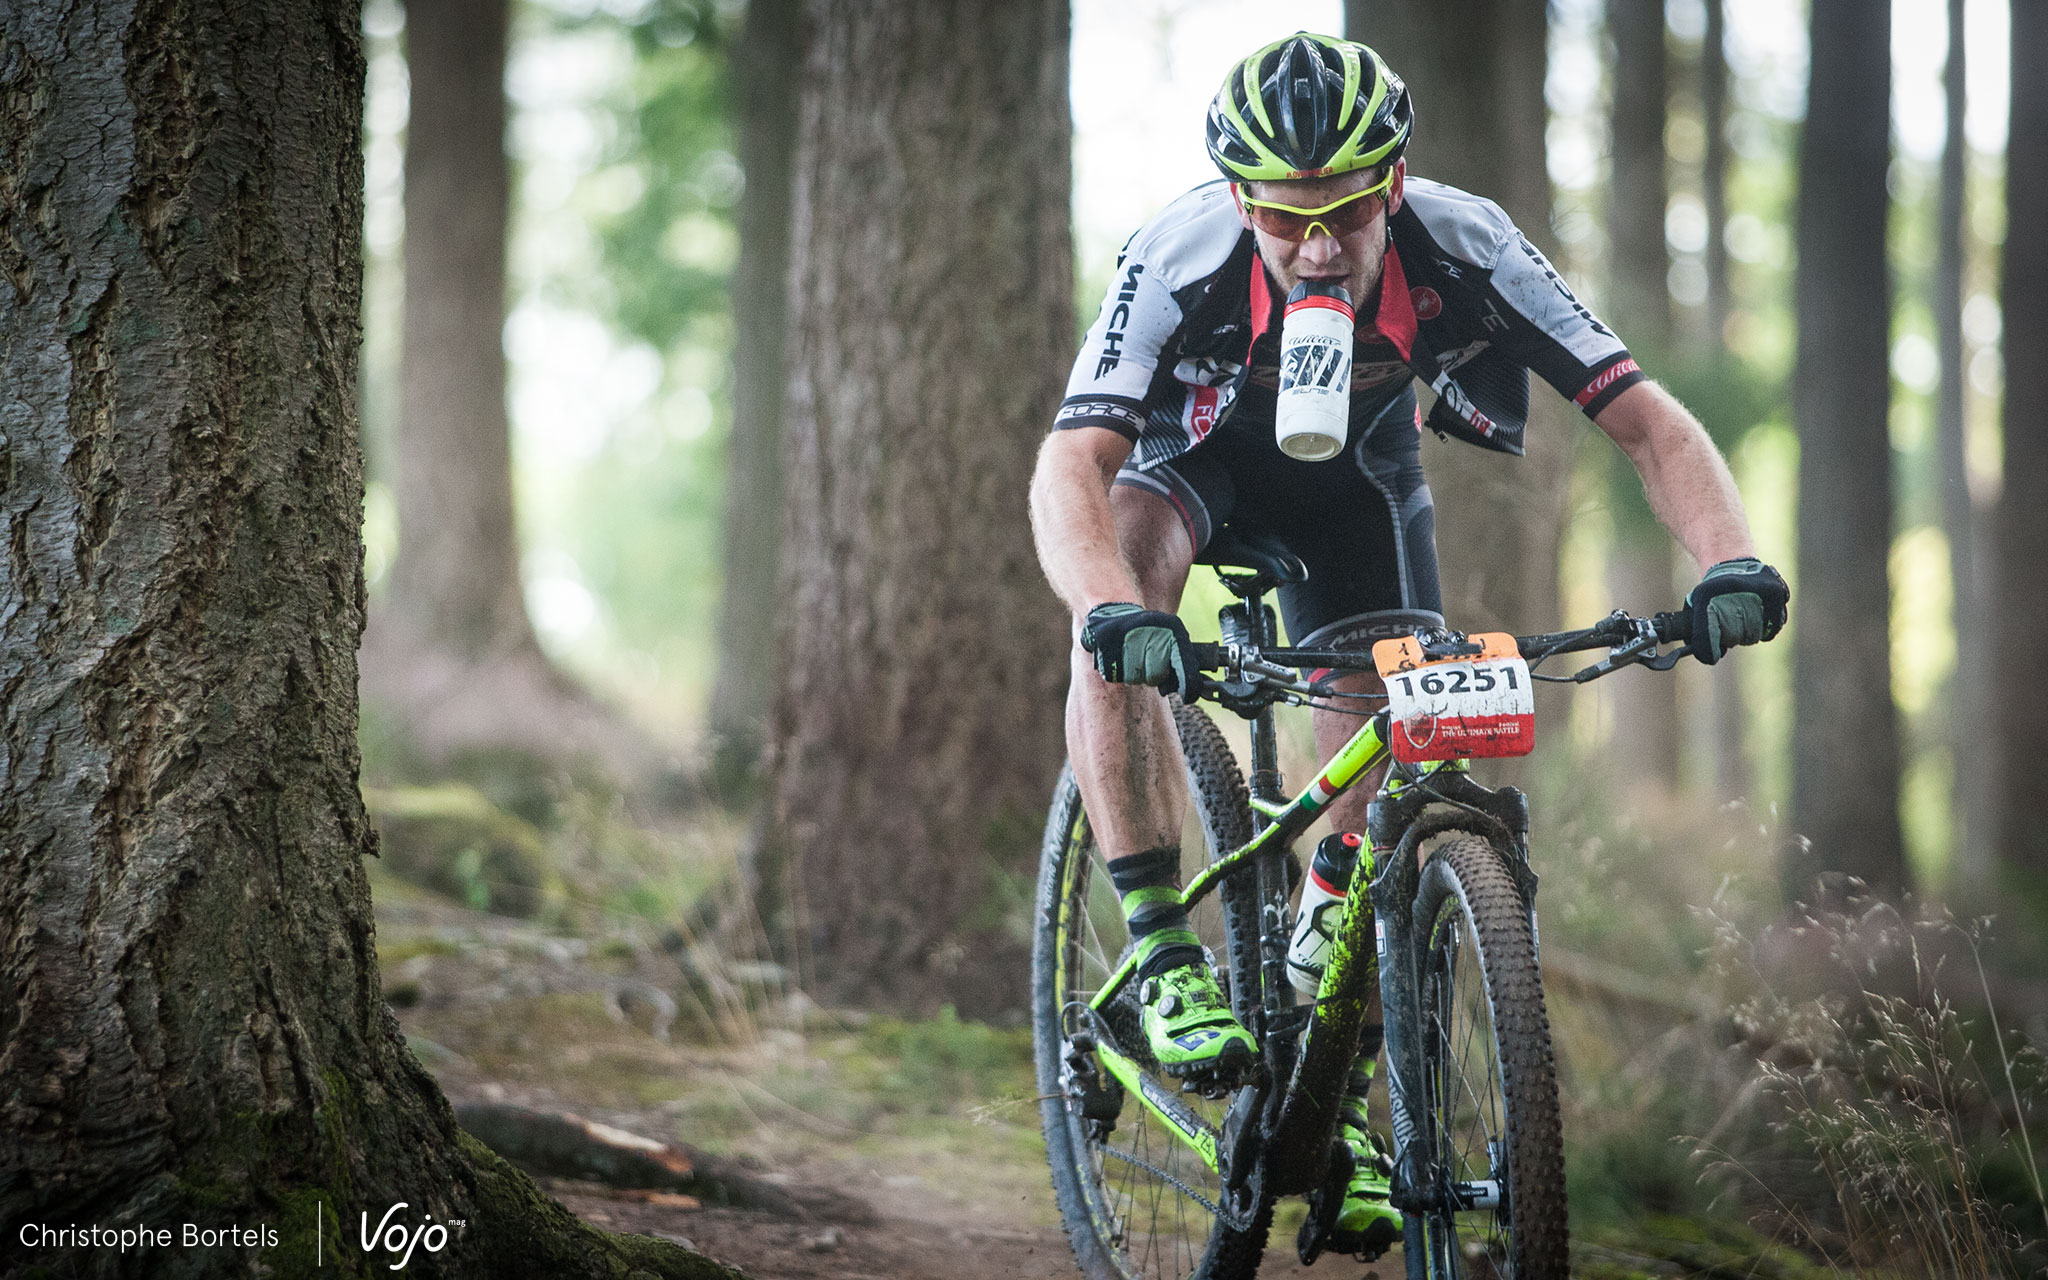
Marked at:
<point>1367,1226</point>
<point>1189,1026</point>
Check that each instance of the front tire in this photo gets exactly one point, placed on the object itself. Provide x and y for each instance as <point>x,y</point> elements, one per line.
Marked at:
<point>1489,1082</point>
<point>1131,1193</point>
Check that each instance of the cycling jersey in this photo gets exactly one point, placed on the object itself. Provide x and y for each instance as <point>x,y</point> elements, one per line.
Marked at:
<point>1188,333</point>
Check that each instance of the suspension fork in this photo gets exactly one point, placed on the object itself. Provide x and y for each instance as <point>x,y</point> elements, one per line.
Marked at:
<point>1399,820</point>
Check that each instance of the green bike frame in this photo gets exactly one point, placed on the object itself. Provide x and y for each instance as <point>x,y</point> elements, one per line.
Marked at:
<point>1366,749</point>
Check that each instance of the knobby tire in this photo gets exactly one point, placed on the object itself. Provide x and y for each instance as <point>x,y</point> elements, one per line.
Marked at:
<point>1489,1078</point>
<point>1122,1222</point>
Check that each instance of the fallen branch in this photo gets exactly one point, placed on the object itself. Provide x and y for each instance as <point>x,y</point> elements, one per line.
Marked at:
<point>558,1144</point>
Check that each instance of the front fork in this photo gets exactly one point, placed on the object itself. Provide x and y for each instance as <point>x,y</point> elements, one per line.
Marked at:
<point>1398,829</point>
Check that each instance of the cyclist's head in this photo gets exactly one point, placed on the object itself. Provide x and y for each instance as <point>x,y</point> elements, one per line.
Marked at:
<point>1308,107</point>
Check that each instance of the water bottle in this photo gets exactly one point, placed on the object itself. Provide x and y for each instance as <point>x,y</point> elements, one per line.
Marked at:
<point>1322,908</point>
<point>1313,414</point>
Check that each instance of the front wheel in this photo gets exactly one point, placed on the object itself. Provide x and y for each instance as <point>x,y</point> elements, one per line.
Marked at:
<point>1138,1200</point>
<point>1489,1106</point>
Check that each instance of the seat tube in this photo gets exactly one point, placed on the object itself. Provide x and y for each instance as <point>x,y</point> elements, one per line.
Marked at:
<point>1265,780</point>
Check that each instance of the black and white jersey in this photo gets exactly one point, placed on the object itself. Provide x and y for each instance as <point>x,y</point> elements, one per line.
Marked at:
<point>1188,336</point>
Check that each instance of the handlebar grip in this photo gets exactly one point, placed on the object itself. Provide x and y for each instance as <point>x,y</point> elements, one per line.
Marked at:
<point>1207,656</point>
<point>1674,627</point>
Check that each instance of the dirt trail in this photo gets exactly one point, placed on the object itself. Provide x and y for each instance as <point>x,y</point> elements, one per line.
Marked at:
<point>917,1233</point>
<point>914,1147</point>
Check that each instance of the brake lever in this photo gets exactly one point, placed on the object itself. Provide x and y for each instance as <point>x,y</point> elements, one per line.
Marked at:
<point>1631,654</point>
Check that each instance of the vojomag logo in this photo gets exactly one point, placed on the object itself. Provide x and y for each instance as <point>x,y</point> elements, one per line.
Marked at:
<point>399,1238</point>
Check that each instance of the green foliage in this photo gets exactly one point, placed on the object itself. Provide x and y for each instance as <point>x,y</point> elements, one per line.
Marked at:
<point>933,1066</point>
<point>450,837</point>
<point>641,516</point>
<point>669,181</point>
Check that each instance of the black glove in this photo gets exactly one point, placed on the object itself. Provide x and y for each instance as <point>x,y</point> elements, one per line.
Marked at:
<point>1135,645</point>
<point>1738,602</point>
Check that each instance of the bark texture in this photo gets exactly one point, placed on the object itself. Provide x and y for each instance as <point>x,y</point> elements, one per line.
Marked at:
<point>2021,534</point>
<point>1640,563</point>
<point>1476,70</point>
<point>917,722</point>
<point>191,1023</point>
<point>769,56</point>
<point>1845,749</point>
<point>451,658</point>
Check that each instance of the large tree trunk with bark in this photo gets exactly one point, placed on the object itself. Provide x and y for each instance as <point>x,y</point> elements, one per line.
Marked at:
<point>1845,748</point>
<point>766,64</point>
<point>451,660</point>
<point>917,723</point>
<point>2021,534</point>
<point>192,1029</point>
<point>1476,68</point>
<point>1640,563</point>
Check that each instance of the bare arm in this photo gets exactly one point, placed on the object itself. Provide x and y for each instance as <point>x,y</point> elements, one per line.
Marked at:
<point>1070,518</point>
<point>1687,481</point>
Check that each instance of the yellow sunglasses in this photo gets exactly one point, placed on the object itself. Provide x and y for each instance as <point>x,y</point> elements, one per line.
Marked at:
<point>1338,218</point>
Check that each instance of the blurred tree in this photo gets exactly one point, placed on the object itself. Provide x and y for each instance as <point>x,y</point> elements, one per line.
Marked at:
<point>1476,68</point>
<point>767,64</point>
<point>1969,705</point>
<point>1845,766</point>
<point>192,1027</point>
<point>917,725</point>
<point>451,659</point>
<point>1640,562</point>
<point>2020,547</point>
<point>1733,778</point>
<point>1713,73</point>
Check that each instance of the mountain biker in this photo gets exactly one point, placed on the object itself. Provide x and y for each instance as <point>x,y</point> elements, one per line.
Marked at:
<point>1166,435</point>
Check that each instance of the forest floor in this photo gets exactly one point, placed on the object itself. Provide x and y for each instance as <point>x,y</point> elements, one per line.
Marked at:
<point>911,1147</point>
<point>914,1147</point>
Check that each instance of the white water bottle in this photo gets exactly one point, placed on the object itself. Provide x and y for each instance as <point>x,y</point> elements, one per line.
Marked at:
<point>1314,410</point>
<point>1322,908</point>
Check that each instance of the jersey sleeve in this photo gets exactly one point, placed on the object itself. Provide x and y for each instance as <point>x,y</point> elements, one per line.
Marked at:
<point>1139,318</point>
<point>1550,331</point>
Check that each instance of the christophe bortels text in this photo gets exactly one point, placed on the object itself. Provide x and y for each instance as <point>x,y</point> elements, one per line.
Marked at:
<point>188,1236</point>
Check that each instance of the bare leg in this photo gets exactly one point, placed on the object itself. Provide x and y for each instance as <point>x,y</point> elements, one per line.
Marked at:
<point>1125,753</point>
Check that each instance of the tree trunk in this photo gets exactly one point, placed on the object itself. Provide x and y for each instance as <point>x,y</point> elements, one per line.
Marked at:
<point>1732,775</point>
<point>1845,774</point>
<point>1476,68</point>
<point>1969,705</point>
<point>1640,563</point>
<point>917,722</point>
<point>2021,546</point>
<point>451,657</point>
<point>192,1029</point>
<point>767,61</point>
<point>1714,178</point>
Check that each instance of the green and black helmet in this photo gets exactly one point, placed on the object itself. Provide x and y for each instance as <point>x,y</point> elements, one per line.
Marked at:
<point>1308,107</point>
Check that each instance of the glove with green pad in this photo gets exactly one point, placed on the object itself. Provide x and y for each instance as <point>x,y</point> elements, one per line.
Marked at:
<point>1738,602</point>
<point>1136,645</point>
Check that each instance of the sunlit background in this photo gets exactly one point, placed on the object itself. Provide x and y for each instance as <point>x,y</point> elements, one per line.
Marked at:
<point>618,440</point>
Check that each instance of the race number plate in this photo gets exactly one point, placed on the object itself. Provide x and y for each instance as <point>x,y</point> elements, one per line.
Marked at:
<point>1453,708</point>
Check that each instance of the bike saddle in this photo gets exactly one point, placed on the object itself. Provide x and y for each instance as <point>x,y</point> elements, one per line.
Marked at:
<point>1272,564</point>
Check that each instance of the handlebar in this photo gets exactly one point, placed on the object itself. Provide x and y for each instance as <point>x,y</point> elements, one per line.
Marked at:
<point>1271,675</point>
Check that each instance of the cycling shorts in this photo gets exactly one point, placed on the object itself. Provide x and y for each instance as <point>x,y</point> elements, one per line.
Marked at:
<point>1362,522</point>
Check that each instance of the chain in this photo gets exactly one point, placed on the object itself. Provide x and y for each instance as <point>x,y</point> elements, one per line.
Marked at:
<point>1162,1175</point>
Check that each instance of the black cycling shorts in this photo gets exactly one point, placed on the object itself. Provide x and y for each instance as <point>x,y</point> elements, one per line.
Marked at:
<point>1362,521</point>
